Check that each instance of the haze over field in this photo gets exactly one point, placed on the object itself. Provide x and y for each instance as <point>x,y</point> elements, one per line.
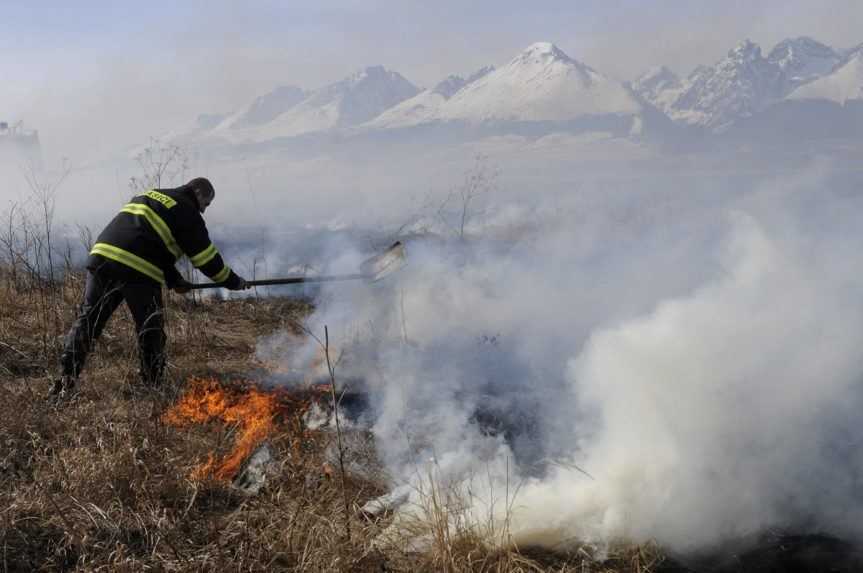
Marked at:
<point>633,231</point>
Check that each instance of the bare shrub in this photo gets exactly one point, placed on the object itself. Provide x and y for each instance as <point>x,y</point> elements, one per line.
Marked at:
<point>161,164</point>
<point>463,203</point>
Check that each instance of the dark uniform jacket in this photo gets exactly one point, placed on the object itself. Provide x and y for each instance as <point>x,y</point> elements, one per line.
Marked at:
<point>145,240</point>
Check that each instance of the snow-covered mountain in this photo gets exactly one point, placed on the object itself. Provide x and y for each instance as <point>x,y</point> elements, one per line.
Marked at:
<point>190,132</point>
<point>802,60</point>
<point>737,86</point>
<point>426,105</point>
<point>540,84</point>
<point>346,103</point>
<point>543,89</point>
<point>263,109</point>
<point>828,106</point>
<point>740,85</point>
<point>844,84</point>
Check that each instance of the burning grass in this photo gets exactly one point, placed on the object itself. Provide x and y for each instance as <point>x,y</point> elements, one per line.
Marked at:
<point>252,410</point>
<point>255,412</point>
<point>106,483</point>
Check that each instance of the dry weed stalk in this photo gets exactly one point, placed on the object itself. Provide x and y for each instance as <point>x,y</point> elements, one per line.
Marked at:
<point>332,373</point>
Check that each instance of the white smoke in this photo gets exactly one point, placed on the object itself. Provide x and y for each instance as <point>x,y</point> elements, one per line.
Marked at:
<point>674,366</point>
<point>722,412</point>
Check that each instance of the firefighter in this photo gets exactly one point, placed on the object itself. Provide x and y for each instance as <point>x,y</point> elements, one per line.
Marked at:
<point>131,260</point>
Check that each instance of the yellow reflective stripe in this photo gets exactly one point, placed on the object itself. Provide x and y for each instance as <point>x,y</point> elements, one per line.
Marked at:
<point>204,256</point>
<point>223,275</point>
<point>129,259</point>
<point>161,198</point>
<point>158,225</point>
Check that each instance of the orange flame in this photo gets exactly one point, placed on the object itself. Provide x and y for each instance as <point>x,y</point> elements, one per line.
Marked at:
<point>206,400</point>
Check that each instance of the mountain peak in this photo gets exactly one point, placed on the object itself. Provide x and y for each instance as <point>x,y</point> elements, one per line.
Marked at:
<point>802,60</point>
<point>803,47</point>
<point>741,84</point>
<point>746,50</point>
<point>354,100</point>
<point>543,51</point>
<point>800,42</point>
<point>371,72</point>
<point>540,84</point>
<point>737,86</point>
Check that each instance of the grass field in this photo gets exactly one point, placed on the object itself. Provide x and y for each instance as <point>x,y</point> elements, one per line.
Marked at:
<point>105,484</point>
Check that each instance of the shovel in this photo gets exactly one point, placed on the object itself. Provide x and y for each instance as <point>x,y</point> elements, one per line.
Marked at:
<point>372,270</point>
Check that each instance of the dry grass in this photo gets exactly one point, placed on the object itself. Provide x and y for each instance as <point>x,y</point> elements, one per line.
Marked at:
<point>102,484</point>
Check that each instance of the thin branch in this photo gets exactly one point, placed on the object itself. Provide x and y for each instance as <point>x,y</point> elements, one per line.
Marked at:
<point>332,371</point>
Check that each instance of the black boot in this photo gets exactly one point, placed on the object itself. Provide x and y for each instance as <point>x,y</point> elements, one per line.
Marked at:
<point>152,372</point>
<point>63,389</point>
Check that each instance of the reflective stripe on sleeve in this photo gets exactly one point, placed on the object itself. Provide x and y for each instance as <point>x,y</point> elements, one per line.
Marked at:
<point>223,275</point>
<point>204,256</point>
<point>130,260</point>
<point>158,225</point>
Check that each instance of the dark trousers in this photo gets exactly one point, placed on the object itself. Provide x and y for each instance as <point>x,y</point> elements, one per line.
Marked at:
<point>102,295</point>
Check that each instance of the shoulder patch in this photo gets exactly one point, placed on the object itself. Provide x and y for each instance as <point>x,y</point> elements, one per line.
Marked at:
<point>161,198</point>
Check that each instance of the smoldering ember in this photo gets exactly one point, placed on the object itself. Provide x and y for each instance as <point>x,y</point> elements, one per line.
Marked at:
<point>432,287</point>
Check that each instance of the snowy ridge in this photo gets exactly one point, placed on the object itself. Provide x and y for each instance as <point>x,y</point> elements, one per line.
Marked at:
<point>740,85</point>
<point>802,60</point>
<point>421,108</point>
<point>426,105</point>
<point>346,103</point>
<point>844,84</point>
<point>264,109</point>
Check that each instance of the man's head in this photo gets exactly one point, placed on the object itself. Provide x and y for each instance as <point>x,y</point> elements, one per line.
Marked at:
<point>203,191</point>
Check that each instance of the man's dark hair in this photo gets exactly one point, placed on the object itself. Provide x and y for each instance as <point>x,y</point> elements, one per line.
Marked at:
<point>201,184</point>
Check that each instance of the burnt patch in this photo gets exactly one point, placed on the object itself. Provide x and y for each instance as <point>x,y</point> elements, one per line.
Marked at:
<point>29,543</point>
<point>782,553</point>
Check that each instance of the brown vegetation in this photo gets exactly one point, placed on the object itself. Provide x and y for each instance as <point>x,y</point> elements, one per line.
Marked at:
<point>106,483</point>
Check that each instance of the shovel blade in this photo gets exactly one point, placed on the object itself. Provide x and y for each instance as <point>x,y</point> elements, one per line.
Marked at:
<point>384,264</point>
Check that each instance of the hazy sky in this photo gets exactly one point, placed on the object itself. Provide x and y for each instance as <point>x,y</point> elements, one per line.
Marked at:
<point>114,72</point>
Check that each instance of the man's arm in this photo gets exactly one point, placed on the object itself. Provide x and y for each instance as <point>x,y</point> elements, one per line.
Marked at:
<point>194,239</point>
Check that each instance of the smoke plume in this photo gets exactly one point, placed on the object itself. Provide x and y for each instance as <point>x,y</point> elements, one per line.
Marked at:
<point>684,369</point>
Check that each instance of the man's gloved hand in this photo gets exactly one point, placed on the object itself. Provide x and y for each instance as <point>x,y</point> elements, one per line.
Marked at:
<point>236,282</point>
<point>181,286</point>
